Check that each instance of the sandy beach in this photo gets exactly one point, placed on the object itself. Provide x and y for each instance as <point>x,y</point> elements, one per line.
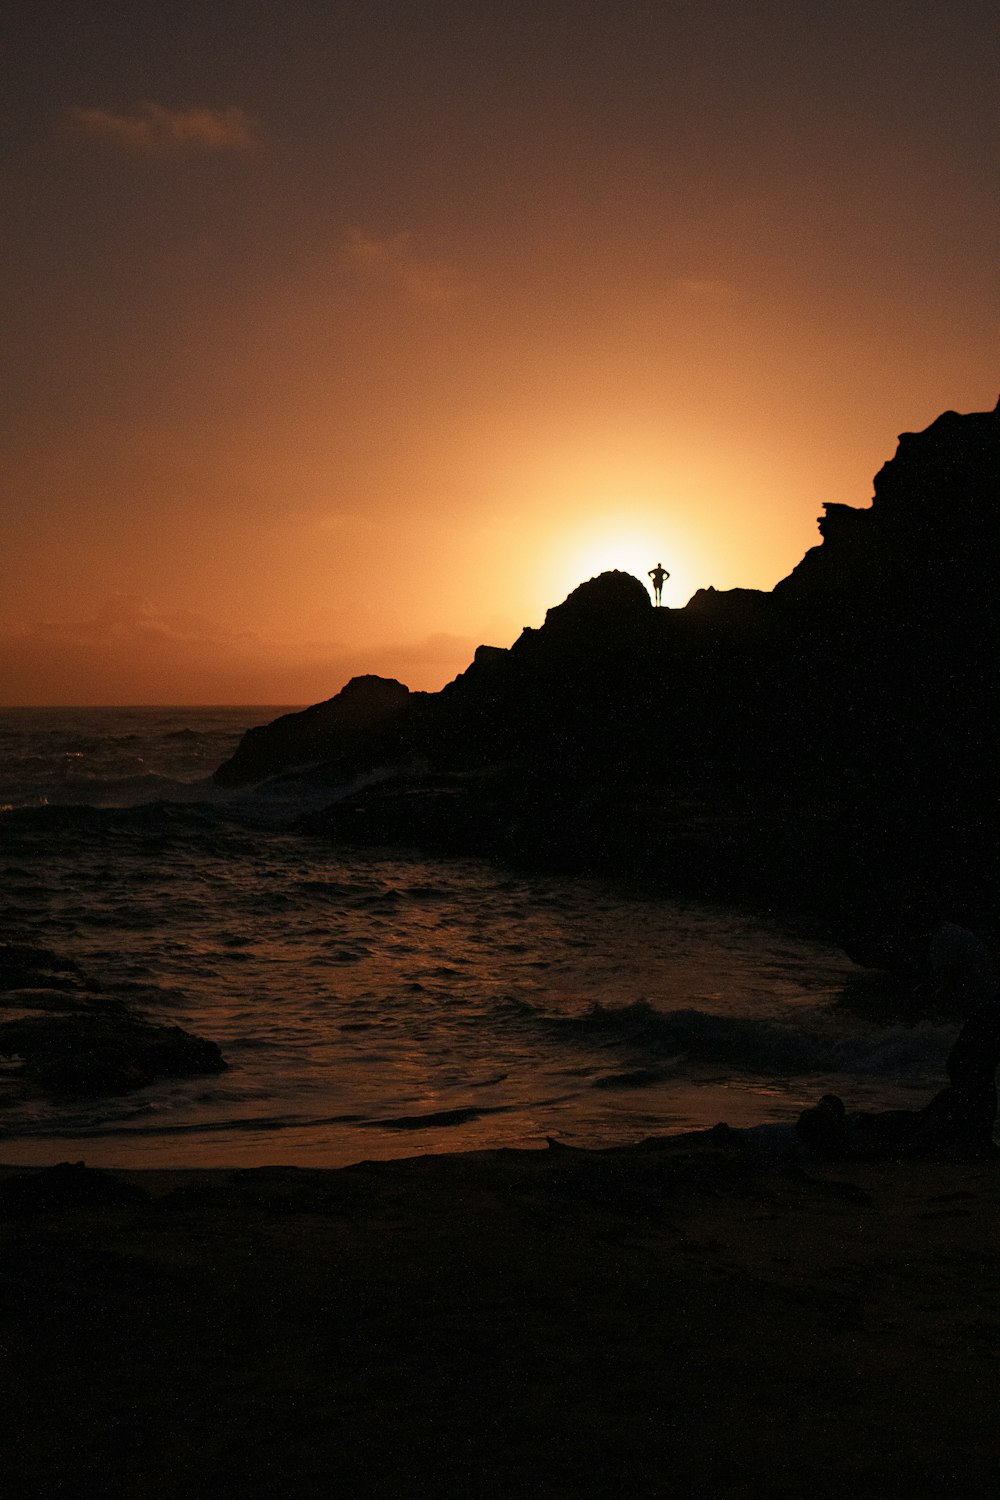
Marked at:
<point>677,1317</point>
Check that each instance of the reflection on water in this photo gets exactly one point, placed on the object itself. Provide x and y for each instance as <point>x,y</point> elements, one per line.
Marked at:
<point>372,1005</point>
<point>357,995</point>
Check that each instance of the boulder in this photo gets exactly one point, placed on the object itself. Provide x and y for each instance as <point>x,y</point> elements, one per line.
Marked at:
<point>73,1040</point>
<point>612,601</point>
<point>103,1051</point>
<point>332,733</point>
<point>24,965</point>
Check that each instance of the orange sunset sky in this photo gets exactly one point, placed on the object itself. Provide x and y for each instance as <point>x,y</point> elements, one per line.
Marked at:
<point>343,336</point>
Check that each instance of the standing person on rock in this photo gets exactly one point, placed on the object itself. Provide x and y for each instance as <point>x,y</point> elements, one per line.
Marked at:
<point>659,575</point>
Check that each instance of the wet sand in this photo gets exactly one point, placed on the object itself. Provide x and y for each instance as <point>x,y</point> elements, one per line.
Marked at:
<point>677,1317</point>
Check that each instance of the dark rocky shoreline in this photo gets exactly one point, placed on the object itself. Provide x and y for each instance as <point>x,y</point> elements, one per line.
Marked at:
<point>824,751</point>
<point>66,1038</point>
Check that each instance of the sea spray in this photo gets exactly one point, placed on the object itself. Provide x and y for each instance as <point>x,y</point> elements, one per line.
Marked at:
<point>350,990</point>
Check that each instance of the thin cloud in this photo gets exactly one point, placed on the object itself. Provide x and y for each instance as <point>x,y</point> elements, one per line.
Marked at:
<point>132,650</point>
<point>397,260</point>
<point>130,617</point>
<point>154,128</point>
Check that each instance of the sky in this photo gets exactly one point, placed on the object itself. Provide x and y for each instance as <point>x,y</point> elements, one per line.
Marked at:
<point>344,335</point>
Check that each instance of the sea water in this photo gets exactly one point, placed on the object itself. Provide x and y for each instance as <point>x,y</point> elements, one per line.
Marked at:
<point>380,1003</point>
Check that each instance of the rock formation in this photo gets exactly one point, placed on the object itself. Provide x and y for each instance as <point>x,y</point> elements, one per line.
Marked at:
<point>72,1040</point>
<point>838,729</point>
<point>351,724</point>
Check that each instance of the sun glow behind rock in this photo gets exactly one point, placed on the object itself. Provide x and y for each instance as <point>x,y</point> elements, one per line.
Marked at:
<point>627,546</point>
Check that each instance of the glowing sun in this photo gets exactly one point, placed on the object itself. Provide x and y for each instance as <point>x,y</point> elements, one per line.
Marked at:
<point>607,546</point>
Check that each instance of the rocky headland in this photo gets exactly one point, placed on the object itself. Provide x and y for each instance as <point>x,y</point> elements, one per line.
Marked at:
<point>826,745</point>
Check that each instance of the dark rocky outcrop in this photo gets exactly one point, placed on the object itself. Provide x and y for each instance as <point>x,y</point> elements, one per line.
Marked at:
<point>104,1050</point>
<point>833,738</point>
<point>931,529</point>
<point>346,730</point>
<point>23,965</point>
<point>67,1185</point>
<point>74,1040</point>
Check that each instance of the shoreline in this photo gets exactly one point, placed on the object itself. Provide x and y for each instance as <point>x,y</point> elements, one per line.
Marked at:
<point>678,1314</point>
<point>634,1114</point>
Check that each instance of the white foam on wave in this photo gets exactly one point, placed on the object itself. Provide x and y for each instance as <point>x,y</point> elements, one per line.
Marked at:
<point>754,1044</point>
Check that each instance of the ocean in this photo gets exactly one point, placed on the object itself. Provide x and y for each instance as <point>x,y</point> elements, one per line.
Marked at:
<point>375,1003</point>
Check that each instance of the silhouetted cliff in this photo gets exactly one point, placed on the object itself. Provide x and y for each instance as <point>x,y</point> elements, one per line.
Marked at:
<point>839,729</point>
<point>345,732</point>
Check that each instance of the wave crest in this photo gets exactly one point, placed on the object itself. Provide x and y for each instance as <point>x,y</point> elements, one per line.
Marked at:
<point>754,1045</point>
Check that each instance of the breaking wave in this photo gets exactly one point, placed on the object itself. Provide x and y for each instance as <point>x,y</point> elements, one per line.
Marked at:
<point>744,1042</point>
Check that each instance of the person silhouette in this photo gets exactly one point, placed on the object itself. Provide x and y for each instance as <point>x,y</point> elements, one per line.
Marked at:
<point>659,575</point>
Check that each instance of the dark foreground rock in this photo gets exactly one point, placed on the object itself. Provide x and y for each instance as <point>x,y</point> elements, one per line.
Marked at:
<point>104,1051</point>
<point>67,1185</point>
<point>72,1040</point>
<point>24,965</point>
<point>664,1320</point>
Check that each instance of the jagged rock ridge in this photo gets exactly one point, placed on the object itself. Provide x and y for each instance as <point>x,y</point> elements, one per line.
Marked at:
<point>857,699</point>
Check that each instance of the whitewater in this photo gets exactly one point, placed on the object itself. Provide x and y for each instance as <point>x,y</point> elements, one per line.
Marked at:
<point>375,1003</point>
